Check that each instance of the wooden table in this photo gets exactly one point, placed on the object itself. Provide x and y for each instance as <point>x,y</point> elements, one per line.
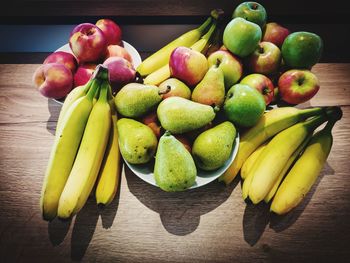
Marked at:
<point>144,224</point>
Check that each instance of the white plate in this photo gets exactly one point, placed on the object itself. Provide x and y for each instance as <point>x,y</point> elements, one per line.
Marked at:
<point>136,58</point>
<point>145,171</point>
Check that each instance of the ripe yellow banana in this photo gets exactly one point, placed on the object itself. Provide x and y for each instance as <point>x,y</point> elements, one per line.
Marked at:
<point>75,94</point>
<point>163,73</point>
<point>161,57</point>
<point>285,169</point>
<point>111,166</point>
<point>248,164</point>
<point>89,158</point>
<point>304,172</point>
<point>270,124</point>
<point>271,161</point>
<point>64,151</point>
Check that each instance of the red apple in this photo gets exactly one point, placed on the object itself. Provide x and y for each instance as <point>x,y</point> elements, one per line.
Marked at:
<point>262,83</point>
<point>185,141</point>
<point>83,74</point>
<point>266,59</point>
<point>188,65</point>
<point>88,43</point>
<point>151,120</point>
<point>111,30</point>
<point>275,33</point>
<point>297,86</point>
<point>53,80</point>
<point>120,71</point>
<point>118,51</point>
<point>64,58</point>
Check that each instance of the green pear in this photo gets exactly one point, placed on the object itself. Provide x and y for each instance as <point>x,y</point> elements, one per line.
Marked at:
<point>179,115</point>
<point>174,169</point>
<point>213,147</point>
<point>177,88</point>
<point>137,142</point>
<point>135,100</point>
<point>211,89</point>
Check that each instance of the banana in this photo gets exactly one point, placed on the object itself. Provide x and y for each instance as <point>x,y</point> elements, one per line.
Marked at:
<point>64,151</point>
<point>271,161</point>
<point>270,124</point>
<point>163,73</point>
<point>285,169</point>
<point>305,171</point>
<point>75,94</point>
<point>111,166</point>
<point>161,57</point>
<point>248,164</point>
<point>89,158</point>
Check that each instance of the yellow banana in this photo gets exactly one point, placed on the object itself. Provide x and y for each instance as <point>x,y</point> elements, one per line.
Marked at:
<point>161,57</point>
<point>270,124</point>
<point>248,164</point>
<point>75,94</point>
<point>111,166</point>
<point>271,161</point>
<point>163,73</point>
<point>89,158</point>
<point>304,172</point>
<point>64,151</point>
<point>285,169</point>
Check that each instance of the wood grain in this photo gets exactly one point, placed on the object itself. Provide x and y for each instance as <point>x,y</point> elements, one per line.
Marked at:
<point>144,224</point>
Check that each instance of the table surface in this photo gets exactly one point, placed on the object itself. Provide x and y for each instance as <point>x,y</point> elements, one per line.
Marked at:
<point>210,224</point>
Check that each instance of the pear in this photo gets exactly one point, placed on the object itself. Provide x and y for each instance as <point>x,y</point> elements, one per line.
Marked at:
<point>135,99</point>
<point>213,147</point>
<point>174,169</point>
<point>179,115</point>
<point>137,142</point>
<point>177,88</point>
<point>211,89</point>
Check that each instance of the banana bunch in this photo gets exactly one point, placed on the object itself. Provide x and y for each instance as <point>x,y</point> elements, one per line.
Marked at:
<point>283,168</point>
<point>84,148</point>
<point>156,66</point>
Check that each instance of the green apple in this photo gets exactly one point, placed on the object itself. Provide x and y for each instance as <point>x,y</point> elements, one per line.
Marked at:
<point>302,50</point>
<point>241,37</point>
<point>230,65</point>
<point>251,11</point>
<point>244,105</point>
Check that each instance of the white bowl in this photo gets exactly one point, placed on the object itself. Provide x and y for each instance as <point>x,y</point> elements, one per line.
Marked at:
<point>136,58</point>
<point>145,171</point>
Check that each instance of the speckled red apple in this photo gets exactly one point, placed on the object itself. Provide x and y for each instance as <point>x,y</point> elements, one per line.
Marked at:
<point>53,80</point>
<point>83,74</point>
<point>88,43</point>
<point>120,71</point>
<point>111,30</point>
<point>64,58</point>
<point>118,51</point>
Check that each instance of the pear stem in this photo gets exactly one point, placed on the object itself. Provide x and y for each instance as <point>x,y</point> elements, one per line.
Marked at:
<point>168,89</point>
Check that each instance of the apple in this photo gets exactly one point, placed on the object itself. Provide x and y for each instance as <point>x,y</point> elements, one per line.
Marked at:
<point>185,141</point>
<point>64,58</point>
<point>302,50</point>
<point>266,58</point>
<point>251,11</point>
<point>111,30</point>
<point>118,51</point>
<point>151,120</point>
<point>275,33</point>
<point>120,71</point>
<point>261,83</point>
<point>83,74</point>
<point>53,80</point>
<point>241,37</point>
<point>188,65</point>
<point>176,88</point>
<point>297,86</point>
<point>230,65</point>
<point>87,42</point>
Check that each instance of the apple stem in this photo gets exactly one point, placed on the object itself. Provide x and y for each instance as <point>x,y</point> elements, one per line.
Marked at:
<point>261,50</point>
<point>266,91</point>
<point>168,89</point>
<point>301,81</point>
<point>218,61</point>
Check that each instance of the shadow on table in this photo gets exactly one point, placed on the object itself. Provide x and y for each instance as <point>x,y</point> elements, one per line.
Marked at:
<point>257,217</point>
<point>179,212</point>
<point>54,109</point>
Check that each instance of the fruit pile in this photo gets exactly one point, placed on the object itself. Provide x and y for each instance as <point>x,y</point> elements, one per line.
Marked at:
<point>183,117</point>
<point>90,45</point>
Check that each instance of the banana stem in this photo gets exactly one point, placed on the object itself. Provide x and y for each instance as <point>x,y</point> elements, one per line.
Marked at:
<point>210,31</point>
<point>313,123</point>
<point>101,72</point>
<point>205,25</point>
<point>95,86</point>
<point>104,92</point>
<point>306,113</point>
